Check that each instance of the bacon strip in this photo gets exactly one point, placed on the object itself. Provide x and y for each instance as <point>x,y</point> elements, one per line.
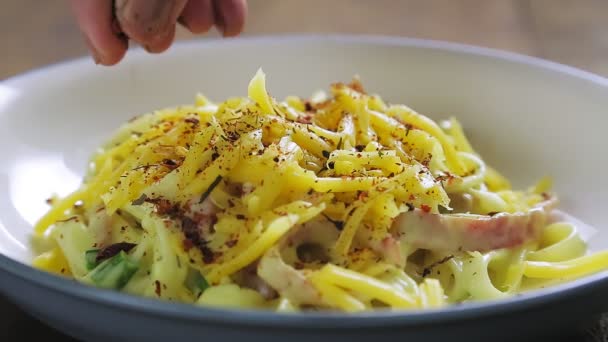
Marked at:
<point>463,232</point>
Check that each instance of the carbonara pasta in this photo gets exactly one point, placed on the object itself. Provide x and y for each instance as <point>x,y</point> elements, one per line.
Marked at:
<point>338,202</point>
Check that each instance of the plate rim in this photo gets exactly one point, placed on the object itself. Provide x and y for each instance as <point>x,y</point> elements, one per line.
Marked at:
<point>317,320</point>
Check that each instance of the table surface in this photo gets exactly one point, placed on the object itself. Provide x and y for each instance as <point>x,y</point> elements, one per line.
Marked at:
<point>35,33</point>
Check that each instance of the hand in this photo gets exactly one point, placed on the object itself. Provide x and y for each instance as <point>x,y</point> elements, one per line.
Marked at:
<point>109,24</point>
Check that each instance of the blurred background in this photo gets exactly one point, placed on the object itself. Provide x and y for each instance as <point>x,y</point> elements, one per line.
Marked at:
<point>574,32</point>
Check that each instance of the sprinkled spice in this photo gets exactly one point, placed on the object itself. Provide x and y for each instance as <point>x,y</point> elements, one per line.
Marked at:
<point>193,121</point>
<point>214,156</point>
<point>427,270</point>
<point>308,106</point>
<point>157,288</point>
<point>189,227</point>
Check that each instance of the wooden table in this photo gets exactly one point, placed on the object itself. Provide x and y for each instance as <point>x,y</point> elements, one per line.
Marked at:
<point>35,33</point>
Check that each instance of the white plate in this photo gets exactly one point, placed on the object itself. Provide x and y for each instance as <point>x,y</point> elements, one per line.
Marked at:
<point>528,117</point>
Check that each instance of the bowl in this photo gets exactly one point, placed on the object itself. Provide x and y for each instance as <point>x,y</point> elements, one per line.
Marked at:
<point>526,116</point>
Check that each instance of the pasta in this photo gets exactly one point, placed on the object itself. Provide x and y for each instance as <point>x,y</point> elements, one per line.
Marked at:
<point>339,202</point>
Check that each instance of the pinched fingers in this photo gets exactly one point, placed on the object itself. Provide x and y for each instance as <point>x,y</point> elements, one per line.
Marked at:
<point>151,23</point>
<point>108,24</point>
<point>95,18</point>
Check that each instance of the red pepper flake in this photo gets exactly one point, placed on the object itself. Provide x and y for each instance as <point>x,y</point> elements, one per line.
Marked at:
<point>356,85</point>
<point>306,119</point>
<point>308,106</point>
<point>362,195</point>
<point>114,249</point>
<point>193,121</point>
<point>157,287</point>
<point>425,208</point>
<point>208,255</point>
<point>164,207</point>
<point>233,136</point>
<point>169,163</point>
<point>187,243</point>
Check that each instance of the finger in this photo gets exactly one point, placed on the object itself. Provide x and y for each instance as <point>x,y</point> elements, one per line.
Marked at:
<point>162,43</point>
<point>198,16</point>
<point>230,16</point>
<point>94,18</point>
<point>150,23</point>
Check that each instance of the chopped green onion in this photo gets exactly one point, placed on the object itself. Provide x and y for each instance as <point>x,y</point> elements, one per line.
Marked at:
<point>114,273</point>
<point>90,258</point>
<point>196,283</point>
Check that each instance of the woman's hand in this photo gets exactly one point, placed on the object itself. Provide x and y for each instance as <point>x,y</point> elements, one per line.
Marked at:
<point>109,24</point>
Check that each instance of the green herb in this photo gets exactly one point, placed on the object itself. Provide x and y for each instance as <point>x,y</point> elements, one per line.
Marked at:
<point>195,282</point>
<point>114,273</point>
<point>90,258</point>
